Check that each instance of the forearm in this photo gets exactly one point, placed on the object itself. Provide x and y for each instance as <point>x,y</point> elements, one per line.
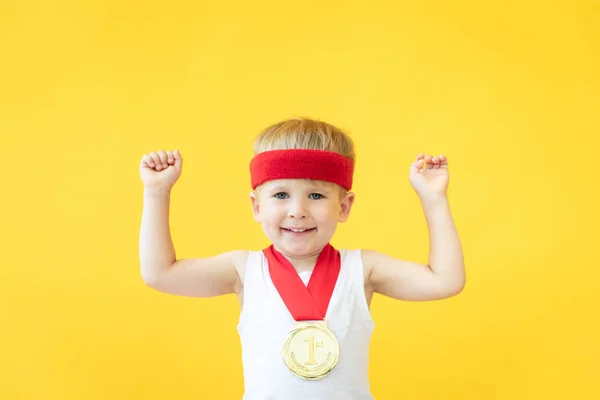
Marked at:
<point>157,253</point>
<point>445,252</point>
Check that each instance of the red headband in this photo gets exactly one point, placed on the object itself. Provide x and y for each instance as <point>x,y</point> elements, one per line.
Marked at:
<point>301,164</point>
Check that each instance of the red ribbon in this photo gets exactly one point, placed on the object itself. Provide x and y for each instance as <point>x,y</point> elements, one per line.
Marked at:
<point>305,303</point>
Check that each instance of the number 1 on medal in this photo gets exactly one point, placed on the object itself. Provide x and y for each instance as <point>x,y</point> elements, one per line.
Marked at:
<point>311,351</point>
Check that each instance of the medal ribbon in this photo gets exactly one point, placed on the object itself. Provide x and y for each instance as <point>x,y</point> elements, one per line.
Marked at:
<point>305,303</point>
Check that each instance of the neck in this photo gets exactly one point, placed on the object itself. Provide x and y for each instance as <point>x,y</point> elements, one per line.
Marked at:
<point>301,263</point>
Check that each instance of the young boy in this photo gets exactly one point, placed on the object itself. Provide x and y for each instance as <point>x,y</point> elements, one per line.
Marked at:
<point>305,325</point>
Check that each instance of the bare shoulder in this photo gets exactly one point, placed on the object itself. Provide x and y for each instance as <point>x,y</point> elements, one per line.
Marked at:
<point>367,263</point>
<point>239,258</point>
<point>371,260</point>
<point>368,258</point>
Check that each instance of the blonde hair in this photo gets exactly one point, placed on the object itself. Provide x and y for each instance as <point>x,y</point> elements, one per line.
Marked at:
<point>305,133</point>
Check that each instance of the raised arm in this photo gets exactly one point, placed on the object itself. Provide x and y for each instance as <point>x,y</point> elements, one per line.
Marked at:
<point>444,275</point>
<point>160,268</point>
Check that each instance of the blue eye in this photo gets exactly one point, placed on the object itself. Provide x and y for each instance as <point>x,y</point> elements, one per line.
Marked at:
<point>318,196</point>
<point>280,195</point>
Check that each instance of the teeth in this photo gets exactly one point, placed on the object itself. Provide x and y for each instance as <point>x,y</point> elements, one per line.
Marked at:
<point>298,230</point>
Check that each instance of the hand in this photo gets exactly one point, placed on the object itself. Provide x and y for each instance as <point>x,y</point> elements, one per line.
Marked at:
<point>160,170</point>
<point>429,176</point>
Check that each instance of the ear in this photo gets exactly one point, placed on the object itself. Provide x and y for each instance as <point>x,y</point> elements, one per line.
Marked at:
<point>255,210</point>
<point>346,206</point>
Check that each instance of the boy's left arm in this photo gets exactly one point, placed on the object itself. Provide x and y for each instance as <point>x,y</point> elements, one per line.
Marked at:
<point>444,276</point>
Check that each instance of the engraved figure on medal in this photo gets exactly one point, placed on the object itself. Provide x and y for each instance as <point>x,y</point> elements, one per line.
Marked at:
<point>311,350</point>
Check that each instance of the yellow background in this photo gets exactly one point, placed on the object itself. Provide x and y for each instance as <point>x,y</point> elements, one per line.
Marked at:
<point>508,90</point>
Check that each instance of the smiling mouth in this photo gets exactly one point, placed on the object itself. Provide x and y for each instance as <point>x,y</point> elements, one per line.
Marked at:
<point>298,230</point>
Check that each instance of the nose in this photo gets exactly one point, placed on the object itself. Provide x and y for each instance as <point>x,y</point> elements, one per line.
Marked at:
<point>297,209</point>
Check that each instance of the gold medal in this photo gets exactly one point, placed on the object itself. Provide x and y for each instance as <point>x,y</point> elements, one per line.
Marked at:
<point>311,350</point>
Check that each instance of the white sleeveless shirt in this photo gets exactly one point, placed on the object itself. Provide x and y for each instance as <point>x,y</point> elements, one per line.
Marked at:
<point>265,323</point>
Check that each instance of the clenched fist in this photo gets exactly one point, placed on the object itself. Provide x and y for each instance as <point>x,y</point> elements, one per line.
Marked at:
<point>160,170</point>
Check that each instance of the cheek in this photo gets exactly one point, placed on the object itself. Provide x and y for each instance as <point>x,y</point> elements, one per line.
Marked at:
<point>271,213</point>
<point>327,213</point>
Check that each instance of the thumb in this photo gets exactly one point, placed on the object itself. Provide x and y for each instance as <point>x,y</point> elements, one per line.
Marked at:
<point>416,166</point>
<point>178,159</point>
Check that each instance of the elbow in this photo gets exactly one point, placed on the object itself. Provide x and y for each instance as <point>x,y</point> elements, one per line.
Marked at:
<point>456,288</point>
<point>150,280</point>
<point>153,274</point>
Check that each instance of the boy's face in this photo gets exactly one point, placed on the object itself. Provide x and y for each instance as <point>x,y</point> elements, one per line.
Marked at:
<point>300,216</point>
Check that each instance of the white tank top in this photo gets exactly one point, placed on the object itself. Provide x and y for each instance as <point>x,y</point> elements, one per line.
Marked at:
<point>265,323</point>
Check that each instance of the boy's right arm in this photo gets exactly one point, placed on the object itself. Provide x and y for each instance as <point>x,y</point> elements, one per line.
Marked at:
<point>160,269</point>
